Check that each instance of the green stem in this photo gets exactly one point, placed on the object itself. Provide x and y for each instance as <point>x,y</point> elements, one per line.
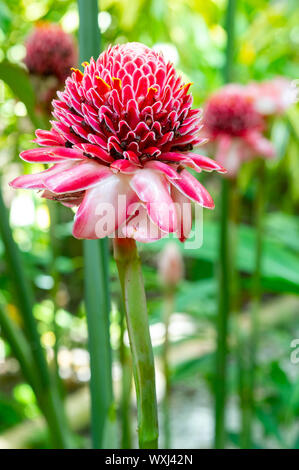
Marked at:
<point>105,256</point>
<point>20,348</point>
<point>48,400</point>
<point>222,324</point>
<point>230,31</point>
<point>96,260</point>
<point>169,307</point>
<point>224,268</point>
<point>130,275</point>
<point>46,392</point>
<point>256,300</point>
<point>89,33</point>
<point>24,295</point>
<point>54,209</point>
<point>98,340</point>
<point>126,385</point>
<point>241,350</point>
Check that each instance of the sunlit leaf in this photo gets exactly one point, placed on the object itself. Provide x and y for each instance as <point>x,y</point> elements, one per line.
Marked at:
<point>18,81</point>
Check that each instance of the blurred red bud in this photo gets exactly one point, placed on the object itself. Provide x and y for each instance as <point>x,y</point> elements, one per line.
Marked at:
<point>171,265</point>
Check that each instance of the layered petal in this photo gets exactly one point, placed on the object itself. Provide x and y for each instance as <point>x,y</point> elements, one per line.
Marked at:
<point>104,208</point>
<point>230,152</point>
<point>68,199</point>
<point>141,227</point>
<point>161,167</point>
<point>37,180</point>
<point>184,213</point>
<point>50,154</point>
<point>260,144</point>
<point>78,177</point>
<point>206,163</point>
<point>193,189</point>
<point>223,145</point>
<point>153,190</point>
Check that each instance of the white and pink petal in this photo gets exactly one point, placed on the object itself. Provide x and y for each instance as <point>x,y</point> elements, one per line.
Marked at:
<point>153,189</point>
<point>78,178</point>
<point>37,180</point>
<point>50,154</point>
<point>140,227</point>
<point>184,213</point>
<point>104,208</point>
<point>193,189</point>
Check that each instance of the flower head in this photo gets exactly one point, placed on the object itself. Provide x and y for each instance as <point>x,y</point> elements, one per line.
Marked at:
<point>232,123</point>
<point>50,52</point>
<point>122,139</point>
<point>273,97</point>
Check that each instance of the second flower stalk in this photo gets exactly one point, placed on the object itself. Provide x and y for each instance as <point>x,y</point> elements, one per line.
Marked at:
<point>130,275</point>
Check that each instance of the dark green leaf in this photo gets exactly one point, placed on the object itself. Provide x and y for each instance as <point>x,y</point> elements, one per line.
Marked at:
<point>18,81</point>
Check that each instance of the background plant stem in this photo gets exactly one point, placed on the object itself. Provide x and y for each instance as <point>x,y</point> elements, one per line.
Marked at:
<point>54,211</point>
<point>20,348</point>
<point>48,400</point>
<point>255,308</point>
<point>97,322</point>
<point>222,322</point>
<point>126,384</point>
<point>46,391</point>
<point>230,32</point>
<point>130,275</point>
<point>24,295</point>
<point>96,268</point>
<point>224,268</point>
<point>168,310</point>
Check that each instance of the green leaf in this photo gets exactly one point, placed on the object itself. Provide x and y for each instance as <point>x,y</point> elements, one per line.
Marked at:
<point>96,259</point>
<point>280,267</point>
<point>18,81</point>
<point>279,377</point>
<point>5,18</point>
<point>191,367</point>
<point>197,297</point>
<point>270,425</point>
<point>284,228</point>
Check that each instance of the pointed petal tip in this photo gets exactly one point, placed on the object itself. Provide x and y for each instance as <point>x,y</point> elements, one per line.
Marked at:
<point>26,182</point>
<point>78,234</point>
<point>221,169</point>
<point>210,205</point>
<point>13,183</point>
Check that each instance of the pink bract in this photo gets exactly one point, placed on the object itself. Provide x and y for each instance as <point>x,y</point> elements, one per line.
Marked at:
<point>273,97</point>
<point>50,51</point>
<point>235,128</point>
<point>122,137</point>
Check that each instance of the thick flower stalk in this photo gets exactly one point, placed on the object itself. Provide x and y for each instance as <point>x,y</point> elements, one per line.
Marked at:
<point>122,137</point>
<point>235,128</point>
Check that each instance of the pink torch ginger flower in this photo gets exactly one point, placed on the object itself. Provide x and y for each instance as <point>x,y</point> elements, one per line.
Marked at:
<point>273,97</point>
<point>234,127</point>
<point>50,52</point>
<point>122,139</point>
